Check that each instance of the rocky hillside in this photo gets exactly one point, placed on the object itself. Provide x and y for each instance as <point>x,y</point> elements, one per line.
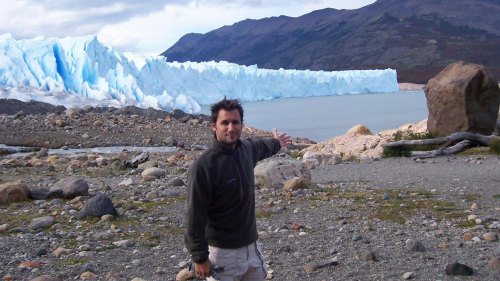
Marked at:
<point>417,37</point>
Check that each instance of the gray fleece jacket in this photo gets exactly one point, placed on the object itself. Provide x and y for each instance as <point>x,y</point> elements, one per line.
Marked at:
<point>221,197</point>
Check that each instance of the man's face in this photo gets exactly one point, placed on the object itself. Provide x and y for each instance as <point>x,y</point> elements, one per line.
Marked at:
<point>228,126</point>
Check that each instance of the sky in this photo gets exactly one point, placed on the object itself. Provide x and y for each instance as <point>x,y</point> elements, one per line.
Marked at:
<point>146,27</point>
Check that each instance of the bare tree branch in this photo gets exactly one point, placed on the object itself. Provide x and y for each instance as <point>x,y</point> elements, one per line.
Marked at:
<point>443,151</point>
<point>484,140</point>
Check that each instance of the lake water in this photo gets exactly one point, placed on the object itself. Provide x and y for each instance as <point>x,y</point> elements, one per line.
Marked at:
<point>322,118</point>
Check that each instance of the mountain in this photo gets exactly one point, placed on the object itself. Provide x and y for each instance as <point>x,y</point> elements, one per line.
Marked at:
<point>416,37</point>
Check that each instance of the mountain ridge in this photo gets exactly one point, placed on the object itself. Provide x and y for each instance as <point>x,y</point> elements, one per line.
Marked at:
<point>417,38</point>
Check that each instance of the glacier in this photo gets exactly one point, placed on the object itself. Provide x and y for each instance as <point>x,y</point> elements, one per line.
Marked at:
<point>76,71</point>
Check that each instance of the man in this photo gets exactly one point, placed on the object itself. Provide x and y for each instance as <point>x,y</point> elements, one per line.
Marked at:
<point>221,225</point>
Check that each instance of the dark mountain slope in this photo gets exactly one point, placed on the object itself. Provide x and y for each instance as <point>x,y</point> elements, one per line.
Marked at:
<point>417,37</point>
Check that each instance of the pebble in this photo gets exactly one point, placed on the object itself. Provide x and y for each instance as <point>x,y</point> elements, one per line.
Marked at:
<point>467,236</point>
<point>472,217</point>
<point>490,237</point>
<point>30,264</point>
<point>185,274</point>
<point>42,222</point>
<point>369,256</point>
<point>60,252</point>
<point>494,264</point>
<point>123,243</point>
<point>408,275</point>
<point>88,275</point>
<point>415,246</point>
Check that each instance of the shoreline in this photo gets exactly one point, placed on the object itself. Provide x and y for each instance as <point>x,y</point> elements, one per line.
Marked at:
<point>410,86</point>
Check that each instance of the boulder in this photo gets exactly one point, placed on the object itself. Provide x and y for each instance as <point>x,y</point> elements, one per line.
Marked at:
<point>146,165</point>
<point>98,206</point>
<point>143,157</point>
<point>458,269</point>
<point>170,141</point>
<point>464,97</point>
<point>360,130</point>
<point>42,222</point>
<point>299,183</point>
<point>153,172</point>
<point>13,191</point>
<point>354,146</point>
<point>70,187</point>
<point>274,172</point>
<point>314,160</point>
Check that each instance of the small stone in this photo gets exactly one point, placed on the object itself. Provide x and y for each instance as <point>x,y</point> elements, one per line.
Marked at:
<point>415,246</point>
<point>467,236</point>
<point>386,196</point>
<point>152,195</point>
<point>84,247</point>
<point>494,264</point>
<point>30,264</point>
<point>296,226</point>
<point>123,243</point>
<point>474,206</point>
<point>458,269</point>
<point>108,217</point>
<point>357,237</point>
<point>8,277</point>
<point>42,222</point>
<point>88,275</point>
<point>153,172</point>
<point>317,265</point>
<point>369,256</point>
<point>85,254</point>
<point>476,239</point>
<point>185,274</point>
<point>471,217</point>
<point>5,227</point>
<point>60,252</point>
<point>408,275</point>
<point>490,237</point>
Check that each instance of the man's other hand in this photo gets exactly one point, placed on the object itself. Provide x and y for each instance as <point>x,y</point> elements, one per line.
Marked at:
<point>202,269</point>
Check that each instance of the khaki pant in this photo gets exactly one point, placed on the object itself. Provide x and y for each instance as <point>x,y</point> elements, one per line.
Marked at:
<point>245,263</point>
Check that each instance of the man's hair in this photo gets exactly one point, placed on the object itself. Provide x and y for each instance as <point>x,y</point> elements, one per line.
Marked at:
<point>227,105</point>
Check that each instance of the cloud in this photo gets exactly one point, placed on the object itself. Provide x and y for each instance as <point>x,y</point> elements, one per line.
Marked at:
<point>143,26</point>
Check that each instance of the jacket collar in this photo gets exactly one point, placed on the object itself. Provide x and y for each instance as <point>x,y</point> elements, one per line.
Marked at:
<point>222,147</point>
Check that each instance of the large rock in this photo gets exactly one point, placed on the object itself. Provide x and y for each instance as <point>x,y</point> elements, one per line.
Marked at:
<point>315,160</point>
<point>354,146</point>
<point>274,172</point>
<point>153,172</point>
<point>297,183</point>
<point>42,222</point>
<point>463,97</point>
<point>98,206</point>
<point>70,187</point>
<point>12,192</point>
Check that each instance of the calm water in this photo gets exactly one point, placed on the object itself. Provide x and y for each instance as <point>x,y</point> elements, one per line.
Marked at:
<point>322,118</point>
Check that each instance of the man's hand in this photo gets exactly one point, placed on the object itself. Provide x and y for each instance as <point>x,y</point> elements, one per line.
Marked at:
<point>202,269</point>
<point>283,138</point>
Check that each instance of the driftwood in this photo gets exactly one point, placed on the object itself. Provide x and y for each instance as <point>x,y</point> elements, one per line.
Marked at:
<point>465,140</point>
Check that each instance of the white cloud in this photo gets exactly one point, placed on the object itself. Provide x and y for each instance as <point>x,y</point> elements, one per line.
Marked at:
<point>148,27</point>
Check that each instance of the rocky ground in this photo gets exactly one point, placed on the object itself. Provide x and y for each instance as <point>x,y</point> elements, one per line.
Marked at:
<point>388,219</point>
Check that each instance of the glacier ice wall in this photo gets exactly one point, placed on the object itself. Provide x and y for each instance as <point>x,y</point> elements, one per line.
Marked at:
<point>84,67</point>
